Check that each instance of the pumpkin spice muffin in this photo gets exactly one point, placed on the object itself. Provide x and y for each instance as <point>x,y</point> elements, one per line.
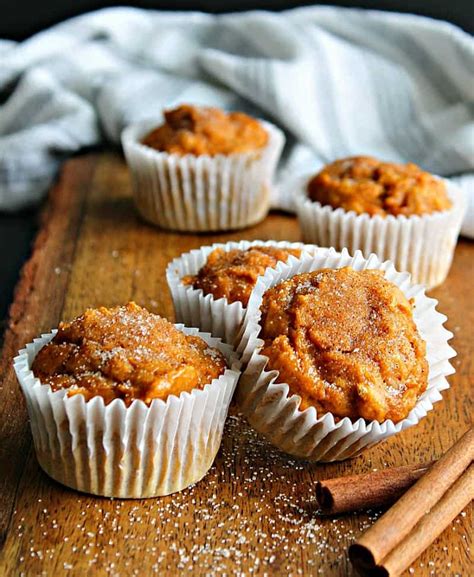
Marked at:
<point>199,130</point>
<point>211,286</point>
<point>203,169</point>
<point>397,211</point>
<point>233,274</point>
<point>345,341</point>
<point>366,185</point>
<point>123,403</point>
<point>339,357</point>
<point>126,353</point>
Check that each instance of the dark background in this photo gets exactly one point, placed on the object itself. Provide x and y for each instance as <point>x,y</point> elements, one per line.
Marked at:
<point>20,19</point>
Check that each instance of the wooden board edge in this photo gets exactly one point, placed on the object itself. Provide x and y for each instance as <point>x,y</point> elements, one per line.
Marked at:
<point>54,243</point>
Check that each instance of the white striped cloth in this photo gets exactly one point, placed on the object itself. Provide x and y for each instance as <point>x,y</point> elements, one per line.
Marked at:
<point>339,81</point>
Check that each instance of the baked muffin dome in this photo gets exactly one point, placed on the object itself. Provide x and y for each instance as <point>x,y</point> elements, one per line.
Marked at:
<point>200,130</point>
<point>233,274</point>
<point>345,341</point>
<point>365,185</point>
<point>126,353</point>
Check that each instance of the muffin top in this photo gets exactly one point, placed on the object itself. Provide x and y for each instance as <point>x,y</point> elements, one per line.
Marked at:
<point>345,341</point>
<point>233,274</point>
<point>366,185</point>
<point>199,130</point>
<point>126,353</point>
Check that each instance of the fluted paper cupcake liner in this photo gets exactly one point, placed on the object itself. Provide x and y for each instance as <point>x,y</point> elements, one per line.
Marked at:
<point>131,452</point>
<point>201,193</point>
<point>273,410</point>
<point>421,245</point>
<point>193,308</point>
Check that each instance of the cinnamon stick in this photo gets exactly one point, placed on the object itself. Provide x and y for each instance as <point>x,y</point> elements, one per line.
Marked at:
<point>367,491</point>
<point>456,498</point>
<point>398,522</point>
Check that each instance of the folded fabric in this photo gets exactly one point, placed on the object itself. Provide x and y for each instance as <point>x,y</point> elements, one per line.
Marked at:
<point>339,81</point>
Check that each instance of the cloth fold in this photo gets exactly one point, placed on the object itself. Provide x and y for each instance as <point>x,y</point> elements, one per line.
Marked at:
<point>339,81</point>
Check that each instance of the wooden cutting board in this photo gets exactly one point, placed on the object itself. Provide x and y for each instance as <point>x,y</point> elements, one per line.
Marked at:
<point>254,513</point>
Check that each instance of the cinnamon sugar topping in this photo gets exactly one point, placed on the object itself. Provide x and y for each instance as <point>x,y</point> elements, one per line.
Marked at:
<point>345,341</point>
<point>128,353</point>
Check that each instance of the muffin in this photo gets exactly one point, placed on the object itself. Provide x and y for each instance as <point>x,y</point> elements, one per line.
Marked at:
<point>203,169</point>
<point>398,211</point>
<point>346,343</point>
<point>123,403</point>
<point>341,352</point>
<point>211,286</point>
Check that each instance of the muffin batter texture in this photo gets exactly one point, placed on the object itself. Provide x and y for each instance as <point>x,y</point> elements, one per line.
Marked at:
<point>233,274</point>
<point>126,353</point>
<point>198,130</point>
<point>345,341</point>
<point>365,185</point>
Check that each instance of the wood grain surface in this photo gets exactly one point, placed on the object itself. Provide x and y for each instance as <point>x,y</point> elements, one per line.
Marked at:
<point>254,513</point>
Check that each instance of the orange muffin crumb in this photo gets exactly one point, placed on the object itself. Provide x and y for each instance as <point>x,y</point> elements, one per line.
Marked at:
<point>199,130</point>
<point>366,185</point>
<point>233,274</point>
<point>126,353</point>
<point>346,343</point>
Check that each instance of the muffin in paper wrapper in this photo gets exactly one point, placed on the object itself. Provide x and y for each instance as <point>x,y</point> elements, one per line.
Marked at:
<point>421,245</point>
<point>193,308</point>
<point>273,411</point>
<point>201,193</point>
<point>132,452</point>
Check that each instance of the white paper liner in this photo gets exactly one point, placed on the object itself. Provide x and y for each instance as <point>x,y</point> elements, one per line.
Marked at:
<point>193,308</point>
<point>201,193</point>
<point>273,411</point>
<point>130,452</point>
<point>421,245</point>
